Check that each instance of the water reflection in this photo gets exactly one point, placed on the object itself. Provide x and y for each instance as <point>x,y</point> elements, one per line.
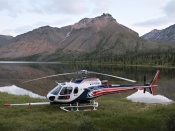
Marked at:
<point>15,74</point>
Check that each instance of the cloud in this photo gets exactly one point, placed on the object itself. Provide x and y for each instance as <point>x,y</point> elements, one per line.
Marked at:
<point>11,8</point>
<point>56,23</point>
<point>167,18</point>
<point>101,6</point>
<point>155,22</point>
<point>16,7</point>
<point>25,28</point>
<point>169,9</point>
<point>68,6</point>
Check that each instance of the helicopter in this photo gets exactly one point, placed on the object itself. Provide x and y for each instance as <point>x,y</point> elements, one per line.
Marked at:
<point>82,91</point>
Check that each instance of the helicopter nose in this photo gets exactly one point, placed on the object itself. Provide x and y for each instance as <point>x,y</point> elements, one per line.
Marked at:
<point>51,98</point>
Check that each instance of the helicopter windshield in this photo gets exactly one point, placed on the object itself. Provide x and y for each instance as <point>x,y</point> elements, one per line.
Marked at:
<point>57,90</point>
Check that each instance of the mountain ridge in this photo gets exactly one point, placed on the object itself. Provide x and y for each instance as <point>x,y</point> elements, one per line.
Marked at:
<point>47,38</point>
<point>5,39</point>
<point>99,38</point>
<point>166,35</point>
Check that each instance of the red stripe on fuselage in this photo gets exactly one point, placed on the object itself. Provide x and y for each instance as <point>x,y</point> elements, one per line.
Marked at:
<point>106,91</point>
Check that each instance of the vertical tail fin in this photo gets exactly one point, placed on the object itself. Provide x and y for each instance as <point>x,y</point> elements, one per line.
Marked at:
<point>153,82</point>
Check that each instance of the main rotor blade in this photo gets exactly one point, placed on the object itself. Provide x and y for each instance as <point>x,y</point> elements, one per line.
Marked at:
<point>112,76</point>
<point>50,76</point>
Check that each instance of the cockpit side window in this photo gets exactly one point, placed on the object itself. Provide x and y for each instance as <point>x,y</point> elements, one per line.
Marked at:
<point>76,90</point>
<point>66,90</point>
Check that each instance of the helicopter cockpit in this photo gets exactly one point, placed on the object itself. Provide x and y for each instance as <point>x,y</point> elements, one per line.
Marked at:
<point>63,91</point>
<point>69,90</point>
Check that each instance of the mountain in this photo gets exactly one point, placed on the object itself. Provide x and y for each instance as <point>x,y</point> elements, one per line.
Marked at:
<point>166,35</point>
<point>33,42</point>
<point>99,38</point>
<point>4,39</point>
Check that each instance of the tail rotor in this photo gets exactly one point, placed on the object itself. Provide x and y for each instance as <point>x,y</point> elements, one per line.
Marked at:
<point>152,83</point>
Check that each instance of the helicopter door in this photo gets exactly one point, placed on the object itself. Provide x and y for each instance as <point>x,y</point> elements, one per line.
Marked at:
<point>65,93</point>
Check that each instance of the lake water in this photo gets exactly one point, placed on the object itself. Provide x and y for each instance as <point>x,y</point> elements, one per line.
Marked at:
<point>16,73</point>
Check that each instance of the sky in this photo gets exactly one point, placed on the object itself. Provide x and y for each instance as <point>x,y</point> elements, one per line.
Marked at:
<point>20,16</point>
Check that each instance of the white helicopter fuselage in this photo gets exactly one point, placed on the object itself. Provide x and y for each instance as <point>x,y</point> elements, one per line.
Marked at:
<point>71,92</point>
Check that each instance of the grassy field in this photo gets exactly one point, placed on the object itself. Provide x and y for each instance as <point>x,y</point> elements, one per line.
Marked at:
<point>113,114</point>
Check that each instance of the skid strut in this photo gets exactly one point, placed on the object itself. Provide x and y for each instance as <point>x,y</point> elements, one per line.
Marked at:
<point>75,107</point>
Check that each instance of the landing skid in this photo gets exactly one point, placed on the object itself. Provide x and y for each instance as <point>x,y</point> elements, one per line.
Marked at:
<point>75,107</point>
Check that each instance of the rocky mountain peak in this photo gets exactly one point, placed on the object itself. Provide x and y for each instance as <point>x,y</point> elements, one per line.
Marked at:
<point>155,31</point>
<point>103,16</point>
<point>85,20</point>
<point>97,22</point>
<point>151,34</point>
<point>166,35</point>
<point>106,16</point>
